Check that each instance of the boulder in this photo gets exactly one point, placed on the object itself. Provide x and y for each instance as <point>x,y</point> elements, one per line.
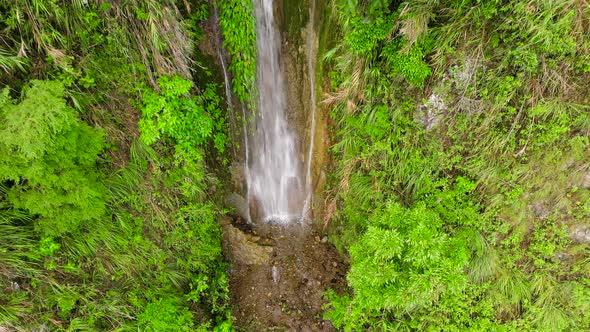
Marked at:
<point>431,113</point>
<point>242,248</point>
<point>580,234</point>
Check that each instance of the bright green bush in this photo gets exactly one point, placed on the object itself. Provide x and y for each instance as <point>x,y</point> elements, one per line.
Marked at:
<point>188,121</point>
<point>165,315</point>
<point>410,64</point>
<point>403,263</point>
<point>49,155</point>
<point>365,35</point>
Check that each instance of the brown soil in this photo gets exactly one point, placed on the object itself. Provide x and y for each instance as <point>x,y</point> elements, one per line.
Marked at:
<point>284,291</point>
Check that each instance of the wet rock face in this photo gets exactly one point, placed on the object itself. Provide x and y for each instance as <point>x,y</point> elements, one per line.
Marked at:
<point>301,61</point>
<point>238,176</point>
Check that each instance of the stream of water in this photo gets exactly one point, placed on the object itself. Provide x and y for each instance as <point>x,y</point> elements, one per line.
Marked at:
<point>311,56</point>
<point>274,177</point>
<point>281,267</point>
<point>228,95</point>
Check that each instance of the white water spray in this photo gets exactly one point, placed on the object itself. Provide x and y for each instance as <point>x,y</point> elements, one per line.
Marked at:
<point>274,175</point>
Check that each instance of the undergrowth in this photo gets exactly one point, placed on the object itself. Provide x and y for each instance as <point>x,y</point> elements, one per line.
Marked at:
<point>461,148</point>
<point>108,212</point>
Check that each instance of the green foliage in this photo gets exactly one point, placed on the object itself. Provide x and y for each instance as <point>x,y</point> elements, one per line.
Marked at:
<point>154,258</point>
<point>410,64</point>
<point>188,124</point>
<point>365,35</point>
<point>9,62</point>
<point>239,33</point>
<point>50,156</point>
<point>402,264</point>
<point>97,230</point>
<point>189,121</point>
<point>48,246</point>
<point>165,315</point>
<point>494,166</point>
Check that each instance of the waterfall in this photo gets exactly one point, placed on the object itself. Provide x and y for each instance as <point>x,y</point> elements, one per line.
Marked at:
<point>311,58</point>
<point>247,159</point>
<point>275,184</point>
<point>225,75</point>
<point>222,60</point>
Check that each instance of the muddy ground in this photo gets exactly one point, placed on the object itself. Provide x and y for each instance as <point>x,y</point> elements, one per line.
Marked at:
<point>279,274</point>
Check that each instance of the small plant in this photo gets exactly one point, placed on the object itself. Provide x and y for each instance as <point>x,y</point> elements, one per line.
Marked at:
<point>165,315</point>
<point>410,64</point>
<point>48,246</point>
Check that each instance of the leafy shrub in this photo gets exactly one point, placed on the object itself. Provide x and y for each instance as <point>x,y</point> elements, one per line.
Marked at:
<point>364,36</point>
<point>165,315</point>
<point>410,64</point>
<point>403,263</point>
<point>187,122</point>
<point>49,156</point>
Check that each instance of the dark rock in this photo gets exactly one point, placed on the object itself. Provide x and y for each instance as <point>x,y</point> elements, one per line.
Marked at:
<point>239,204</point>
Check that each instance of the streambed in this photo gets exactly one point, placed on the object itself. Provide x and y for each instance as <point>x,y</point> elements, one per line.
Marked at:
<point>279,274</point>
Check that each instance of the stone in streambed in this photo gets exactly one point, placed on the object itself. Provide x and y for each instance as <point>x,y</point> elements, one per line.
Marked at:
<point>240,248</point>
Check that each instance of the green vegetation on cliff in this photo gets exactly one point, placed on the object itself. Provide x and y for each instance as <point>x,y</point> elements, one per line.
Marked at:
<point>108,217</point>
<point>462,164</point>
<point>238,28</point>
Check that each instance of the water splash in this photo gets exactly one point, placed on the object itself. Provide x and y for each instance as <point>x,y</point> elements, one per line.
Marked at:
<point>274,177</point>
